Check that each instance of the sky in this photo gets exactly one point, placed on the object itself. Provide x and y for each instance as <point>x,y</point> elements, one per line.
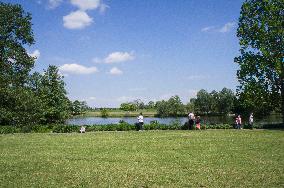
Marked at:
<point>115,51</point>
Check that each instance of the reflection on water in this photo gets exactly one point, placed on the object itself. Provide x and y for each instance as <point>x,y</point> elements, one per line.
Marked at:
<point>147,120</point>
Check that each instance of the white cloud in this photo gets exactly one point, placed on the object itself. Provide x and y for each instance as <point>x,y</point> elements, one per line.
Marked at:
<point>103,7</point>
<point>35,54</point>
<point>227,27</point>
<point>77,20</point>
<point>117,57</point>
<point>115,71</point>
<point>86,4</point>
<point>52,4</point>
<point>206,29</point>
<point>77,69</point>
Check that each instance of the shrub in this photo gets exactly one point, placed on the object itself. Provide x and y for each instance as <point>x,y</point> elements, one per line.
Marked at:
<point>104,113</point>
<point>175,125</point>
<point>8,129</point>
<point>65,129</point>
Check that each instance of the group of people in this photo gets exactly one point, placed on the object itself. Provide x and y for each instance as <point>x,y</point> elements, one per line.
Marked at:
<point>238,121</point>
<point>192,119</point>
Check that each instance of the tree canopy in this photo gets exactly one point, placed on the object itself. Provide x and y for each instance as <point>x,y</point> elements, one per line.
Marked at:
<point>26,98</point>
<point>261,73</point>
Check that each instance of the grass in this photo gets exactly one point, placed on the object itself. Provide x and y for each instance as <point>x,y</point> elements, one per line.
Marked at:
<point>121,113</point>
<point>211,158</point>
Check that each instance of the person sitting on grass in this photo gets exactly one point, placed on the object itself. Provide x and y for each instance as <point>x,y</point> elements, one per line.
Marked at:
<point>83,129</point>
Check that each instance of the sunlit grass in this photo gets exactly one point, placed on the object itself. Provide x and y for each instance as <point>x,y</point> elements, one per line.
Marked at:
<point>211,158</point>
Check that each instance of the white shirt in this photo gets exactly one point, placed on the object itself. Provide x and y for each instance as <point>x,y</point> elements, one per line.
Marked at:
<point>191,116</point>
<point>251,118</point>
<point>140,119</point>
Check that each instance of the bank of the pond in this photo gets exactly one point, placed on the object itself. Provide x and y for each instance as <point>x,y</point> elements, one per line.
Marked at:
<point>123,126</point>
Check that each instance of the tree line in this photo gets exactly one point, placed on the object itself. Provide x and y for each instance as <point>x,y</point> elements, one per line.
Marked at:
<point>221,102</point>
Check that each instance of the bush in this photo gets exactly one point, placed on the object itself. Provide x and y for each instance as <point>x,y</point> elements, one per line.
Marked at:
<point>65,129</point>
<point>104,113</point>
<point>175,125</point>
<point>8,129</point>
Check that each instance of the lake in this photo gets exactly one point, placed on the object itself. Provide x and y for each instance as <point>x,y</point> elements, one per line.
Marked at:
<point>168,120</point>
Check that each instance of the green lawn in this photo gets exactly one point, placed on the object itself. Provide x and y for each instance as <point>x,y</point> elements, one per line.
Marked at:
<point>211,158</point>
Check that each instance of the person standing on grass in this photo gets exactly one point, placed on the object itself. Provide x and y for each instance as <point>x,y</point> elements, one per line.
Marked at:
<point>191,119</point>
<point>239,122</point>
<point>251,120</point>
<point>197,122</point>
<point>140,121</point>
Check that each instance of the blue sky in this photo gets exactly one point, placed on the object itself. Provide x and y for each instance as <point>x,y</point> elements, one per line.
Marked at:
<point>114,51</point>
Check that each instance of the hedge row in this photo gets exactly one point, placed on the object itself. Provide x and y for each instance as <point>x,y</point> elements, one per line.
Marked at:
<point>122,126</point>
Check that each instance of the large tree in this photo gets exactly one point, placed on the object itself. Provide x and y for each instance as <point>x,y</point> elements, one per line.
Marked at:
<point>261,35</point>
<point>18,104</point>
<point>15,33</point>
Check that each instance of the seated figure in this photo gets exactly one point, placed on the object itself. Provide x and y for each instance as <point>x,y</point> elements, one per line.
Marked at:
<point>83,129</point>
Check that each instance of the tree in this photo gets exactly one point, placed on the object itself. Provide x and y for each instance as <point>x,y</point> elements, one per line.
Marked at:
<point>15,32</point>
<point>53,95</point>
<point>203,102</point>
<point>18,104</point>
<point>78,107</point>
<point>172,107</point>
<point>226,101</point>
<point>215,101</point>
<point>176,107</point>
<point>104,113</point>
<point>128,106</point>
<point>261,60</point>
<point>162,108</point>
<point>151,105</point>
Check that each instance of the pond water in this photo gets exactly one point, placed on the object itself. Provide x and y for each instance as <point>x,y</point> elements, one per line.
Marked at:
<point>169,120</point>
<point>115,120</point>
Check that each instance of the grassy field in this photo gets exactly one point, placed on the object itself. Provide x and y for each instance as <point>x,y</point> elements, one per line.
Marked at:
<point>211,158</point>
<point>121,113</point>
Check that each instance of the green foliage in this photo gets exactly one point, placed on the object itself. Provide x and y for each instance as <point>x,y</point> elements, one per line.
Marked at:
<point>104,113</point>
<point>65,129</point>
<point>203,102</point>
<point>261,73</point>
<point>128,107</point>
<point>15,32</point>
<point>173,107</point>
<point>26,99</point>
<point>221,102</point>
<point>53,96</point>
<point>78,107</point>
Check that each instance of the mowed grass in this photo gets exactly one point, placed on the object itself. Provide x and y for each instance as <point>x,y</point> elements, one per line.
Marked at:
<point>211,158</point>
